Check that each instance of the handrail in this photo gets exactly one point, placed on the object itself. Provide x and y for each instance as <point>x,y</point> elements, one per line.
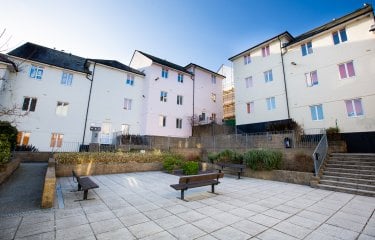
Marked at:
<point>320,153</point>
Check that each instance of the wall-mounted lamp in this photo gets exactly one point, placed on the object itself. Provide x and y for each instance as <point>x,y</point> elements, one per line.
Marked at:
<point>156,78</point>
<point>293,63</point>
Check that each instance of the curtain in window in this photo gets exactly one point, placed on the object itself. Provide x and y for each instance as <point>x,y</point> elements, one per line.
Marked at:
<point>349,108</point>
<point>342,71</point>
<point>358,107</point>
<point>350,67</point>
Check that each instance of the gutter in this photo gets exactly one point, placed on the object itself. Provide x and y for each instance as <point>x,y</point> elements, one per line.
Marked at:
<point>282,64</point>
<point>88,101</point>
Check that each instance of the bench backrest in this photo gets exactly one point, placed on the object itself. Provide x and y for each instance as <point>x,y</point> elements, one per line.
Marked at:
<point>200,177</point>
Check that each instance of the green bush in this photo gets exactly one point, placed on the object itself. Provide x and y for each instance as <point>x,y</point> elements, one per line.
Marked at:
<point>226,156</point>
<point>9,132</point>
<point>263,159</point>
<point>4,149</point>
<point>190,168</point>
<point>172,162</point>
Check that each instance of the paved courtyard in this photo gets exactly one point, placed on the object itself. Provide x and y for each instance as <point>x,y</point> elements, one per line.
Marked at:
<point>143,206</point>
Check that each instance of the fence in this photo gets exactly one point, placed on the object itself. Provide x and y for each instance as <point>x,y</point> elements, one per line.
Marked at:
<point>320,154</point>
<point>240,142</point>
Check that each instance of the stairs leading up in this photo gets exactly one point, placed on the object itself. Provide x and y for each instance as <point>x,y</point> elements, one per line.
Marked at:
<point>350,173</point>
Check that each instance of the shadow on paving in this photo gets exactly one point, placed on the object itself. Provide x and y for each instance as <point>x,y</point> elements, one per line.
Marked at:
<point>23,190</point>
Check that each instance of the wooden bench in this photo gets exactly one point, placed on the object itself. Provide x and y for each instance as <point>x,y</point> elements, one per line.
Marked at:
<point>84,183</point>
<point>200,180</point>
<point>234,167</point>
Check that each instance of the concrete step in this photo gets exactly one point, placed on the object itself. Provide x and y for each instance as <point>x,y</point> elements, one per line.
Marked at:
<point>352,162</point>
<point>349,166</point>
<point>348,185</point>
<point>348,179</point>
<point>353,171</point>
<point>348,175</point>
<point>359,159</point>
<point>347,190</point>
<point>354,154</point>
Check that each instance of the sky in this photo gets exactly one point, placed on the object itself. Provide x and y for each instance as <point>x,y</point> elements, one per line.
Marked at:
<point>205,32</point>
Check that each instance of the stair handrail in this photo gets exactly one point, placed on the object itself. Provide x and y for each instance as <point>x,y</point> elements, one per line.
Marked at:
<point>320,153</point>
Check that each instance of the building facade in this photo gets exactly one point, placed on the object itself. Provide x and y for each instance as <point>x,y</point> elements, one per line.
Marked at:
<point>322,78</point>
<point>228,93</point>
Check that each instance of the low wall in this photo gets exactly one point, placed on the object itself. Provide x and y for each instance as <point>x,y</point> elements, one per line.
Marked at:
<point>7,169</point>
<point>33,156</point>
<point>49,189</point>
<point>87,169</point>
<point>281,176</point>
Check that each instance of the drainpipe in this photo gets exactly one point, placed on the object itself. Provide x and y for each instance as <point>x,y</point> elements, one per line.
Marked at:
<point>192,127</point>
<point>286,91</point>
<point>88,101</point>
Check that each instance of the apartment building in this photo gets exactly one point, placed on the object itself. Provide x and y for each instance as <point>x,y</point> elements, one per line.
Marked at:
<point>260,93</point>
<point>207,91</point>
<point>322,78</point>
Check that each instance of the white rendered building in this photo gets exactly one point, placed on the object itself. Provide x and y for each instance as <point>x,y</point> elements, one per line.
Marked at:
<point>208,100</point>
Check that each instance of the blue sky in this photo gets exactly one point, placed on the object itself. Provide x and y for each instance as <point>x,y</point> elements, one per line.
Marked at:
<point>206,32</point>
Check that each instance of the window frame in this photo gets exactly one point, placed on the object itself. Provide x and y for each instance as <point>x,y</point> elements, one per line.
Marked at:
<point>66,79</point>
<point>306,48</point>
<point>271,103</point>
<point>213,79</point>
<point>163,96</point>
<point>128,104</point>
<point>36,72</point>
<point>179,123</point>
<point>268,76</point>
<point>250,107</point>
<point>164,72</point>
<point>23,138</point>
<point>346,70</point>
<point>353,105</point>
<point>130,79</point>
<point>309,79</point>
<point>266,51</point>
<point>162,121</point>
<point>180,77</point>
<point>314,111</point>
<point>339,33</point>
<point>31,104</point>
<point>180,100</point>
<point>249,82</point>
<point>62,109</point>
<point>56,140</point>
<point>247,58</point>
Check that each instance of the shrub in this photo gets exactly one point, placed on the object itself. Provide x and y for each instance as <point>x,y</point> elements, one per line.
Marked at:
<point>4,149</point>
<point>263,159</point>
<point>190,168</point>
<point>227,156</point>
<point>172,162</point>
<point>332,130</point>
<point>9,132</point>
<point>333,133</point>
<point>109,157</point>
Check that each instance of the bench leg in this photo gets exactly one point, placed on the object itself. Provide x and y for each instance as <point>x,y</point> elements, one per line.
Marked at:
<point>239,175</point>
<point>85,194</point>
<point>182,194</point>
<point>79,187</point>
<point>213,188</point>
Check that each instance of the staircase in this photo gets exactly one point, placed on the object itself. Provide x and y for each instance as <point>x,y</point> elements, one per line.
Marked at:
<point>350,173</point>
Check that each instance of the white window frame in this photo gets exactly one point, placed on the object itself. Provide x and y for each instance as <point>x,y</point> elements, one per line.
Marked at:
<point>180,78</point>
<point>309,79</point>
<point>130,79</point>
<point>268,76</point>
<point>36,72</point>
<point>271,103</point>
<point>164,72</point>
<point>56,140</point>
<point>249,82</point>
<point>345,64</point>
<point>308,50</point>
<point>62,108</point>
<point>355,113</point>
<point>266,51</point>
<point>250,107</point>
<point>30,101</point>
<point>179,99</point>
<point>21,141</point>
<point>213,79</point>
<point>162,121</point>
<point>315,109</point>
<point>247,59</point>
<point>179,123</point>
<point>163,96</point>
<point>128,103</point>
<point>66,79</point>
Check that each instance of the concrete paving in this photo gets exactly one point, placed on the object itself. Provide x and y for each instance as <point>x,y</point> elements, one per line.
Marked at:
<point>23,190</point>
<point>143,206</point>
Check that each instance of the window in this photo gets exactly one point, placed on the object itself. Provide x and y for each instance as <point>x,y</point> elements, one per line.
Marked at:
<point>213,79</point>
<point>130,79</point>
<point>62,108</point>
<point>311,78</point>
<point>163,96</point>
<point>249,107</point>
<point>247,59</point>
<point>306,48</point>
<point>164,73</point>
<point>179,100</point>
<point>36,72</point>
<point>213,117</point>
<point>29,104</point>
<point>23,138</point>
<point>346,70</point>
<point>125,129</point>
<point>271,104</point>
<point>339,36</point>
<point>249,82</point>
<point>56,140</point>
<point>317,112</point>
<point>178,123</point>
<point>162,121</point>
<point>180,78</point>
<point>127,104</point>
<point>66,79</point>
<point>266,51</point>
<point>354,107</point>
<point>268,76</point>
<point>213,97</point>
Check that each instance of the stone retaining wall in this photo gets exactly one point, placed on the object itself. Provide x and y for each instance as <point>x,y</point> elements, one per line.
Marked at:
<point>33,156</point>
<point>7,169</point>
<point>49,189</point>
<point>281,175</point>
<point>87,169</point>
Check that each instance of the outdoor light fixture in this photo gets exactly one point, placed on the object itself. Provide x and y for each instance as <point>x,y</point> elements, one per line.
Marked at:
<point>293,63</point>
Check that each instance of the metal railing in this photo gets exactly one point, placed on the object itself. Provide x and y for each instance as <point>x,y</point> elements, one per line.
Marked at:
<point>320,154</point>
